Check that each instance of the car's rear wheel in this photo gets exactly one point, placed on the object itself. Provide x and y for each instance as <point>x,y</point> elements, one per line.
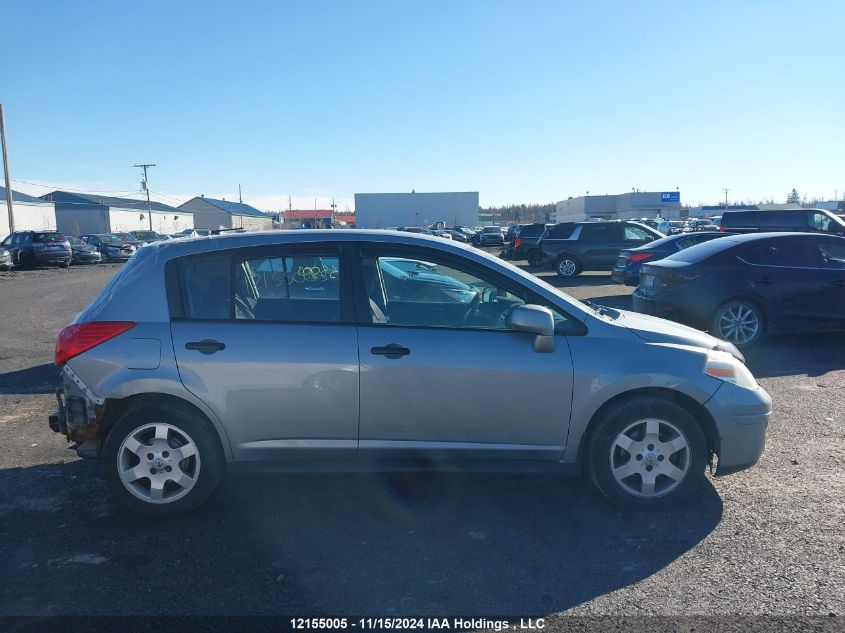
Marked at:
<point>646,452</point>
<point>739,322</point>
<point>162,461</point>
<point>25,260</point>
<point>567,266</point>
<point>534,257</point>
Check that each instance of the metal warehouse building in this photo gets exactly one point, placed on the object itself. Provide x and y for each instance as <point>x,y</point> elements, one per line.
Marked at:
<point>623,206</point>
<point>380,210</point>
<point>29,214</point>
<point>81,213</point>
<point>210,213</point>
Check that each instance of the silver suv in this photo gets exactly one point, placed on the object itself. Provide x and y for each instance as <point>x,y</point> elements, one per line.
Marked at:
<point>337,350</point>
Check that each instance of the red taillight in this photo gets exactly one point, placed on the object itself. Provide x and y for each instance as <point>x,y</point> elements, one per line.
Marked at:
<point>517,243</point>
<point>721,229</point>
<point>633,258</point>
<point>80,337</point>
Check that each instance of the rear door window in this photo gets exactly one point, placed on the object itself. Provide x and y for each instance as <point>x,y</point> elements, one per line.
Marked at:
<point>601,233</point>
<point>561,231</point>
<point>636,234</point>
<point>784,253</point>
<point>288,288</point>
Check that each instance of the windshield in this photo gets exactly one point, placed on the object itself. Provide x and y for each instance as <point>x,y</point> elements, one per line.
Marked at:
<point>492,229</point>
<point>109,239</point>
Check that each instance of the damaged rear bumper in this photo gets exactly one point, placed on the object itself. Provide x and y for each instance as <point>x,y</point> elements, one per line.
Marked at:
<point>78,414</point>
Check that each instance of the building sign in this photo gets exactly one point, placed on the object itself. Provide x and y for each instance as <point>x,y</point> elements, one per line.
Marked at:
<point>670,196</point>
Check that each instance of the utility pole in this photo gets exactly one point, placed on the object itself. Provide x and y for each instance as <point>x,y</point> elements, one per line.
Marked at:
<point>726,198</point>
<point>9,206</point>
<point>147,189</point>
<point>241,205</point>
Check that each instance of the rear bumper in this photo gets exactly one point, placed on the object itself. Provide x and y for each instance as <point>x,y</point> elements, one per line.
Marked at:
<point>45,258</point>
<point>670,310</point>
<point>624,276</point>
<point>742,419</point>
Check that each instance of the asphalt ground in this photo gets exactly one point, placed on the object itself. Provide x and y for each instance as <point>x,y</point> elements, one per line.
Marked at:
<point>767,541</point>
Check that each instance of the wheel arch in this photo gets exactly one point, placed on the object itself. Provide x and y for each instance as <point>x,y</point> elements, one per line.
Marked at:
<point>115,408</point>
<point>697,410</point>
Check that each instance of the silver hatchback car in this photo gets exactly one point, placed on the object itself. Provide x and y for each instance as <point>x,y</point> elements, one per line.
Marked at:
<point>350,350</point>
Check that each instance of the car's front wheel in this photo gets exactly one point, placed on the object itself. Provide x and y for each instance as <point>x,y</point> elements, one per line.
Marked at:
<point>646,452</point>
<point>162,461</point>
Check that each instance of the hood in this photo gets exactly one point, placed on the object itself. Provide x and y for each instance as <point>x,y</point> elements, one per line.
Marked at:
<point>657,330</point>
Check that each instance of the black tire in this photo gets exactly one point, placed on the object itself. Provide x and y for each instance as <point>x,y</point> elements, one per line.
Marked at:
<point>737,306</point>
<point>599,445</point>
<point>64,264</point>
<point>25,260</point>
<point>567,266</point>
<point>212,461</point>
<point>534,257</point>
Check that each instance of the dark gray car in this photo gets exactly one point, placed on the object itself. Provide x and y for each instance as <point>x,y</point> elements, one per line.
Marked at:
<point>350,350</point>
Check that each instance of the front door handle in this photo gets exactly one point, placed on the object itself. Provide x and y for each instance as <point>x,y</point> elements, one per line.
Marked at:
<point>394,350</point>
<point>205,346</point>
<point>764,281</point>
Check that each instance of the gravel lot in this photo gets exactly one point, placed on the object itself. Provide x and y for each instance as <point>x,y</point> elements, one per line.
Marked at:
<point>766,541</point>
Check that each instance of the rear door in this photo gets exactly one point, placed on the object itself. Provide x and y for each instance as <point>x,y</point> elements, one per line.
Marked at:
<point>265,337</point>
<point>830,295</point>
<point>600,244</point>
<point>786,272</point>
<point>442,375</point>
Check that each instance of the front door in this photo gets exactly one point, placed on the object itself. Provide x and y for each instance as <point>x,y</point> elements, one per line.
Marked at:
<point>266,340</point>
<point>442,375</point>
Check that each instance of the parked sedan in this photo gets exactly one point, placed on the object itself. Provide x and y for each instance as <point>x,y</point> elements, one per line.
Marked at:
<point>627,268</point>
<point>83,252</point>
<point>315,346</point>
<point>29,249</point>
<point>742,287</point>
<point>111,247</point>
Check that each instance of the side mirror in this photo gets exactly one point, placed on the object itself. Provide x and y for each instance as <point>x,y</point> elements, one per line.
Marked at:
<point>535,320</point>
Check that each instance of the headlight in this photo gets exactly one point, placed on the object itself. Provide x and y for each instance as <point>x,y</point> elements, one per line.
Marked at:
<point>724,366</point>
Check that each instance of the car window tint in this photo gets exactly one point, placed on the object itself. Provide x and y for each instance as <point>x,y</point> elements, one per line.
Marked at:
<point>685,243</point>
<point>44,238</point>
<point>832,254</point>
<point>789,253</point>
<point>561,231</point>
<point>600,232</point>
<point>301,288</point>
<point>206,284</point>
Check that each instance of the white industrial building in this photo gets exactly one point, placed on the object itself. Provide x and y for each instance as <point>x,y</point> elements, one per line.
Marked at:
<point>380,210</point>
<point>29,214</point>
<point>210,213</point>
<point>83,213</point>
<point>623,206</point>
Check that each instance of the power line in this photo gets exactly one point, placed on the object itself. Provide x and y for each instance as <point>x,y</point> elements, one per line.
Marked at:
<point>61,188</point>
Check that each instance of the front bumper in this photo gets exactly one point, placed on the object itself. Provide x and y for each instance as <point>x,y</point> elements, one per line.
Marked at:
<point>742,418</point>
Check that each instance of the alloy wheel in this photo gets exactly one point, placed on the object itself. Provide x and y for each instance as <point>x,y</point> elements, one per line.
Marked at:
<point>567,267</point>
<point>738,323</point>
<point>650,458</point>
<point>158,463</point>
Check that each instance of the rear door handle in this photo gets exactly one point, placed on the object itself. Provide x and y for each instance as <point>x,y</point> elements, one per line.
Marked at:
<point>764,281</point>
<point>393,350</point>
<point>205,346</point>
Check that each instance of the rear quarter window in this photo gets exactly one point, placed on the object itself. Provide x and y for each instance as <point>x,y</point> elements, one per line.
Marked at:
<point>705,250</point>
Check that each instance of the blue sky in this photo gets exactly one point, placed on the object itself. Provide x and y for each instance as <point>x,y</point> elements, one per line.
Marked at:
<point>522,101</point>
